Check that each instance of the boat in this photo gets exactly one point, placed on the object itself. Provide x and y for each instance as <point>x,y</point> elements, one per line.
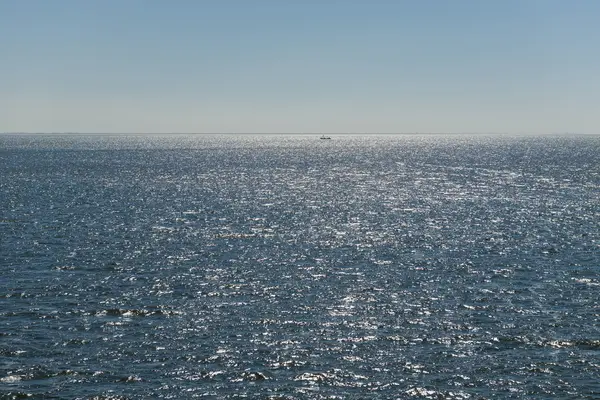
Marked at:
<point>325,137</point>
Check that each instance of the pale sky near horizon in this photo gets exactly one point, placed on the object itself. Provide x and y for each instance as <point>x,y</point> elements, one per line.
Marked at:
<point>516,66</point>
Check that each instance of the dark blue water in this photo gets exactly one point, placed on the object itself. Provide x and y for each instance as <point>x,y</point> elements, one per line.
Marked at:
<point>288,267</point>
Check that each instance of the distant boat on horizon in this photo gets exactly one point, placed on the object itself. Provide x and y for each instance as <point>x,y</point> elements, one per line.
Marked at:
<point>325,137</point>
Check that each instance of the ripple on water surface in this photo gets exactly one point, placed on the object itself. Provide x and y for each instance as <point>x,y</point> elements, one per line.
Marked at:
<point>459,267</point>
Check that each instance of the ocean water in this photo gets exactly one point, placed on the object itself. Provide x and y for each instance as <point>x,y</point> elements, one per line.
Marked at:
<point>289,267</point>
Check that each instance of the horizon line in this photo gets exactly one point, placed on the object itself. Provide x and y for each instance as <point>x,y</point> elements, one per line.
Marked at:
<point>293,133</point>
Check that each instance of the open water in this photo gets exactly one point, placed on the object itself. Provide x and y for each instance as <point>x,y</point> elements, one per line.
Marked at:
<point>289,267</point>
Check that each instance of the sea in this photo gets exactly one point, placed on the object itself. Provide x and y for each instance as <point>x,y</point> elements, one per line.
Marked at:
<point>291,267</point>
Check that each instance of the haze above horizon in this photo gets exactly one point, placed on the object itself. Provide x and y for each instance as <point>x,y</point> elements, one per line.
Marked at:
<point>327,66</point>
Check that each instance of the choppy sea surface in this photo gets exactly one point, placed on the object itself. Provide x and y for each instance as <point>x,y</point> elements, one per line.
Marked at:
<point>289,267</point>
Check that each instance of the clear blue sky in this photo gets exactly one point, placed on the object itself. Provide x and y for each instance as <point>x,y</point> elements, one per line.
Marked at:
<point>300,66</point>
